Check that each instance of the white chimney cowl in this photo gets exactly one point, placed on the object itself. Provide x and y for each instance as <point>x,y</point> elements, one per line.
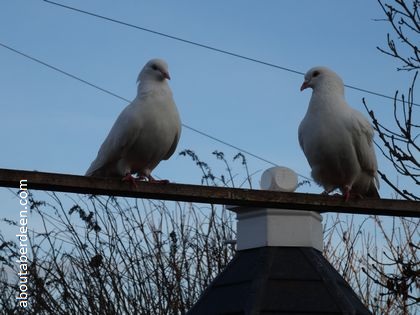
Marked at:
<point>279,178</point>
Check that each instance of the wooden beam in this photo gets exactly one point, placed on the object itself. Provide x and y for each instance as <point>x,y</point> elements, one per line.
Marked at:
<point>207,194</point>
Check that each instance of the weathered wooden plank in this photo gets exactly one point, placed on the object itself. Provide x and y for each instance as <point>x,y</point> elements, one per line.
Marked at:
<point>206,194</point>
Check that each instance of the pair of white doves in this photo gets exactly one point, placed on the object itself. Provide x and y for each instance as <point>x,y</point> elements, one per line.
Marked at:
<point>336,139</point>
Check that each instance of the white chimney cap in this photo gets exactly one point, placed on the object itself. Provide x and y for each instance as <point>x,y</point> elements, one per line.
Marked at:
<point>279,178</point>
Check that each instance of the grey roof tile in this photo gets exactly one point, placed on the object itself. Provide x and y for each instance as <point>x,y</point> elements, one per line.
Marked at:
<point>279,280</point>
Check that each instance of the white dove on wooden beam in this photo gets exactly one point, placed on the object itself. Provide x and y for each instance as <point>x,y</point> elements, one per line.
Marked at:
<point>337,140</point>
<point>146,132</point>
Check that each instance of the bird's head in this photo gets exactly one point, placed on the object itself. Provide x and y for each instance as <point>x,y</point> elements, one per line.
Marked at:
<point>319,77</point>
<point>155,70</point>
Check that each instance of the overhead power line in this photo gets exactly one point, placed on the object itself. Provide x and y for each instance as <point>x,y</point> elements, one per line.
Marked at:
<point>218,50</point>
<point>45,64</point>
<point>175,38</point>
<point>62,72</point>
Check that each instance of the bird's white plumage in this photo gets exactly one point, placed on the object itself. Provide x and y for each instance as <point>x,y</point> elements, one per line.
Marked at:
<point>337,140</point>
<point>146,132</point>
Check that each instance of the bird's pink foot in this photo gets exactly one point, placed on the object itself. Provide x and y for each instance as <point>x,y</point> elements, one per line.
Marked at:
<point>346,193</point>
<point>130,178</point>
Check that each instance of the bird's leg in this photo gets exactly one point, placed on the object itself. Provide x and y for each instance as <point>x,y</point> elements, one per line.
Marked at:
<point>130,178</point>
<point>346,192</point>
<point>157,181</point>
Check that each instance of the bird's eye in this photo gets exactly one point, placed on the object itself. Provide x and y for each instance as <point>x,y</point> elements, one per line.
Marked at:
<point>154,67</point>
<point>316,73</point>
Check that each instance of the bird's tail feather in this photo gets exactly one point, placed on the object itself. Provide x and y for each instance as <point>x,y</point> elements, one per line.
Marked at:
<point>373,191</point>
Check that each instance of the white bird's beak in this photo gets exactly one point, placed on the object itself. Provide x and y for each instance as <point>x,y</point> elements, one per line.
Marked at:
<point>305,85</point>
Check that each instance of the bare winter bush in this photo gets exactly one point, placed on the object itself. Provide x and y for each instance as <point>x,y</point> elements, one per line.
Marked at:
<point>399,143</point>
<point>395,270</point>
<point>105,255</point>
<point>404,18</point>
<point>378,258</point>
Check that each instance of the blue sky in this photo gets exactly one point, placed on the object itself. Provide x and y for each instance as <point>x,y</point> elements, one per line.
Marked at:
<point>49,122</point>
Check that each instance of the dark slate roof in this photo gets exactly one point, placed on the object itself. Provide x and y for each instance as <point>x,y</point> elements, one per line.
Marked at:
<point>279,280</point>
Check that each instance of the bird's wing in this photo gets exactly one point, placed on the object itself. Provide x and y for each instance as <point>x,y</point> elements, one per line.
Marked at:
<point>173,120</point>
<point>174,145</point>
<point>123,134</point>
<point>300,137</point>
<point>362,137</point>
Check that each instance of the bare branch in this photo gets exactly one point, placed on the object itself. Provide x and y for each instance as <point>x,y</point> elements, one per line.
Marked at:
<point>404,20</point>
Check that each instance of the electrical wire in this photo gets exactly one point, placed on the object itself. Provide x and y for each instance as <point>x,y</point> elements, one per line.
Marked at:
<point>222,51</point>
<point>62,72</point>
<point>128,101</point>
<point>175,38</point>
